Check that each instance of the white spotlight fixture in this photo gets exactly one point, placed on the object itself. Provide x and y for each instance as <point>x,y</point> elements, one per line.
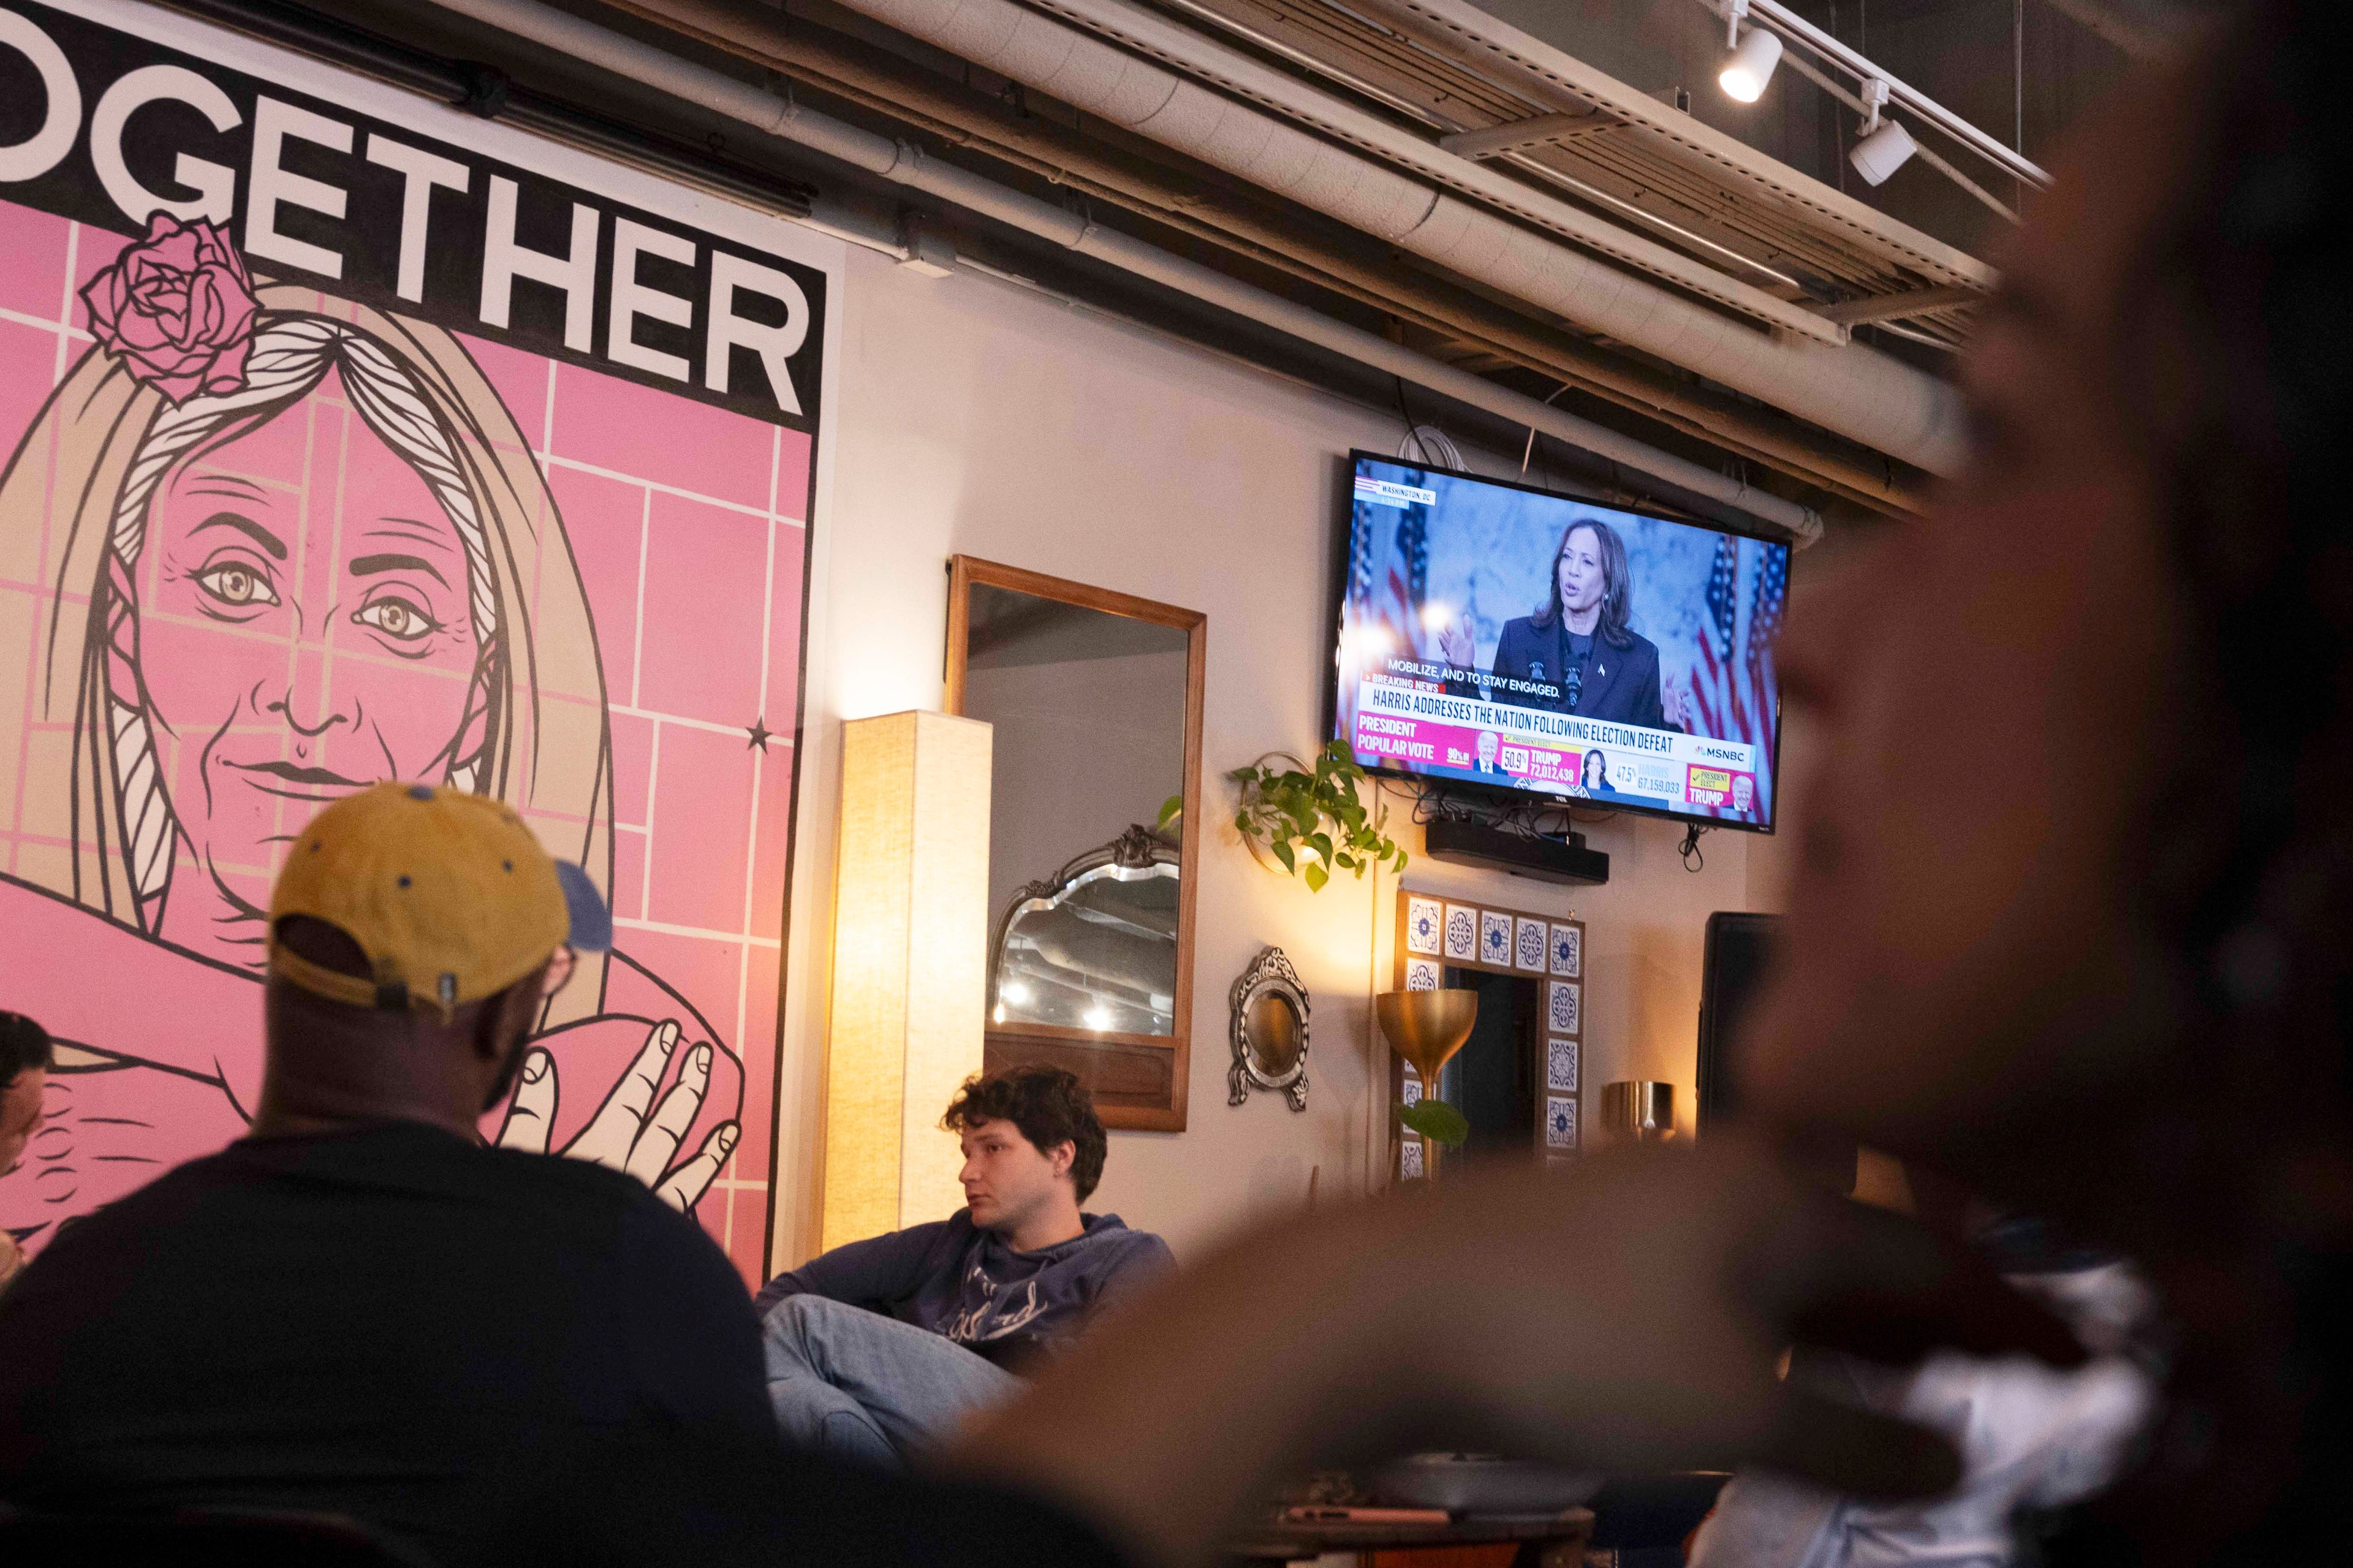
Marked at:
<point>1754,55</point>
<point>1883,146</point>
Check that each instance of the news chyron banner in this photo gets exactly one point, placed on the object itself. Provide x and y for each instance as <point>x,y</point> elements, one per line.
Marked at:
<point>348,436</point>
<point>1427,728</point>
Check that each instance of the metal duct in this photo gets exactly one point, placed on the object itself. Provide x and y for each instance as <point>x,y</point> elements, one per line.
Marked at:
<point>867,74</point>
<point>1860,394</point>
<point>1240,74</point>
<point>904,164</point>
<point>1494,51</point>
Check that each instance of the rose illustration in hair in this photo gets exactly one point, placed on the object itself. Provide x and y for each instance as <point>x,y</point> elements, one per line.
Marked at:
<point>177,308</point>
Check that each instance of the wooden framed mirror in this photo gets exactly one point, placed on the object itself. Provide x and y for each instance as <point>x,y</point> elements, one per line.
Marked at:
<point>1096,697</point>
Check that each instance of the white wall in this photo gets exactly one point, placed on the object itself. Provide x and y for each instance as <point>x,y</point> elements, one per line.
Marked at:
<point>975,417</point>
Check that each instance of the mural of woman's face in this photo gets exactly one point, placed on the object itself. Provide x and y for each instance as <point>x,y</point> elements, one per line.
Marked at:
<point>302,628</point>
<point>1582,581</point>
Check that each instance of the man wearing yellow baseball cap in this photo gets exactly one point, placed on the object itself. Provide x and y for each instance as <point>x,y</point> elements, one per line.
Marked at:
<point>488,1356</point>
<point>360,1308</point>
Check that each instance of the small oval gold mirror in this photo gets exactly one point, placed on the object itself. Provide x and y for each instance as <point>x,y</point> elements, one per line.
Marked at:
<point>1275,1033</point>
<point>1270,1031</point>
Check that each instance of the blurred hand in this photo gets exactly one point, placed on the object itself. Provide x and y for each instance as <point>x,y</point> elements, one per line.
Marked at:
<point>1624,1315</point>
<point>1630,1315</point>
<point>1458,644</point>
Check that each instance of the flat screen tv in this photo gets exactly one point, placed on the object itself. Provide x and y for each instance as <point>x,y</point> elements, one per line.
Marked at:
<point>1496,635</point>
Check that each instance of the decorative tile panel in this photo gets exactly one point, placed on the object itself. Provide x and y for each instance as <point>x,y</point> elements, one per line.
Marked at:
<point>1495,939</point>
<point>1423,920</point>
<point>1462,934</point>
<point>1409,1159</point>
<point>1563,1007</point>
<point>1420,974</point>
<point>1560,1066</point>
<point>1531,950</point>
<point>1560,1122</point>
<point>1568,951</point>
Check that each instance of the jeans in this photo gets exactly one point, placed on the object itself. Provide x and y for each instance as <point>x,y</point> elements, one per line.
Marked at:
<point>859,1387</point>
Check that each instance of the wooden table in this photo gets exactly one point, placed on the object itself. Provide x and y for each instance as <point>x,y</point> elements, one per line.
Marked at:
<point>1554,1541</point>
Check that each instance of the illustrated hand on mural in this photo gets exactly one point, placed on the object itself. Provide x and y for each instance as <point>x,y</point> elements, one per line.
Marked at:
<point>629,1133</point>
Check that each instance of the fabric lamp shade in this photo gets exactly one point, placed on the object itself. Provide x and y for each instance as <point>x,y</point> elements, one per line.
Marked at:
<point>910,939</point>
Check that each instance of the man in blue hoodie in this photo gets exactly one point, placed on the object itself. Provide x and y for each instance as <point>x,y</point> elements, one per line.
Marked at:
<point>877,1347</point>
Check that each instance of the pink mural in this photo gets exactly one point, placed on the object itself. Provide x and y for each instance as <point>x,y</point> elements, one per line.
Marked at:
<point>374,546</point>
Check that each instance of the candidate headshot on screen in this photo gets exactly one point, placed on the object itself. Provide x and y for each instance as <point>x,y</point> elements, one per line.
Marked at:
<point>1489,744</point>
<point>1744,793</point>
<point>1596,777</point>
<point>1577,646</point>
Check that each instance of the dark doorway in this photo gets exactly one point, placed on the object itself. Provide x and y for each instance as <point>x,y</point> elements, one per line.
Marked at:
<point>1492,1080</point>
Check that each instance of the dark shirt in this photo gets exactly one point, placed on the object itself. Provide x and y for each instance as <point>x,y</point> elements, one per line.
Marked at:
<point>1618,685</point>
<point>954,1279</point>
<point>499,1357</point>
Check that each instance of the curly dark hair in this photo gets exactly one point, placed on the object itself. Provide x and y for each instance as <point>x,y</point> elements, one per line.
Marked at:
<point>1050,1107</point>
<point>2234,349</point>
<point>22,1044</point>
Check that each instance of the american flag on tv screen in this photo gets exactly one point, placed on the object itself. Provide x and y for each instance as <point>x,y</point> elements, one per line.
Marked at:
<point>1405,590</point>
<point>1732,685</point>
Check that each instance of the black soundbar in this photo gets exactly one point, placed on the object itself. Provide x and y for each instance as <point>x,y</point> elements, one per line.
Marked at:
<point>1461,842</point>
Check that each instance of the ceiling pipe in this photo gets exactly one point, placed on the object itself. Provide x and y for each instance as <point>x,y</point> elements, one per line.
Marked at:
<point>1215,62</point>
<point>1495,51</point>
<point>1222,65</point>
<point>904,164</point>
<point>1856,392</point>
<point>864,74</point>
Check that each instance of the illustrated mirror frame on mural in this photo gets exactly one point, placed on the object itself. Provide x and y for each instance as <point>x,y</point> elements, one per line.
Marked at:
<point>459,457</point>
<point>1095,697</point>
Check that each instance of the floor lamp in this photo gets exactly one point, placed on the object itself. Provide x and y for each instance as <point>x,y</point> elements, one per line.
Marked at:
<point>910,934</point>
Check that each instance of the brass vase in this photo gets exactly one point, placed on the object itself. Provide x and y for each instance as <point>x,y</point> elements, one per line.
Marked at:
<point>1427,1027</point>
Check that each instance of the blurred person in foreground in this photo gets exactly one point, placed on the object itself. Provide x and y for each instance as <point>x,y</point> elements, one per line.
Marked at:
<point>2109,982</point>
<point>878,1347</point>
<point>25,1055</point>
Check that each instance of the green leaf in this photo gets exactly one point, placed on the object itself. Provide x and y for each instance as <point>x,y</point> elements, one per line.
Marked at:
<point>1346,862</point>
<point>1315,877</point>
<point>1437,1121</point>
<point>1282,848</point>
<point>1170,808</point>
<point>1320,843</point>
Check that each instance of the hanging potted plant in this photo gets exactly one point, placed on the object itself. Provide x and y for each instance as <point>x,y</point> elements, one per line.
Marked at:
<point>1310,819</point>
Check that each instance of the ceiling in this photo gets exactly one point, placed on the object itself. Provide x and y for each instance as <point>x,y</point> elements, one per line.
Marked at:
<point>1607,109</point>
